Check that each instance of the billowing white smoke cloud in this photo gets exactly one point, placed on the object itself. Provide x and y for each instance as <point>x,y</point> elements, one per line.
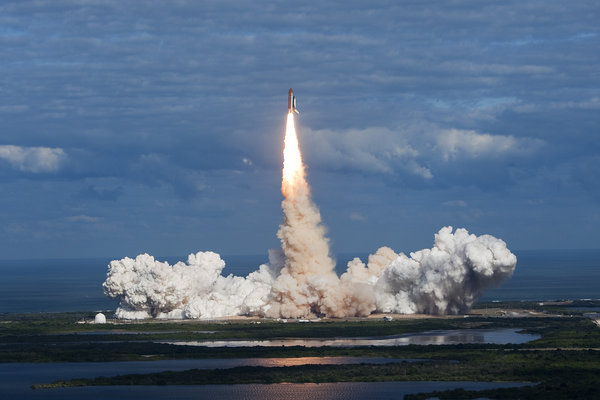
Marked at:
<point>300,280</point>
<point>149,288</point>
<point>307,284</point>
<point>446,279</point>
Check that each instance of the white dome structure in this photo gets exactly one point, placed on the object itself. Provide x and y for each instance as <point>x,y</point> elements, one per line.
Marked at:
<point>100,319</point>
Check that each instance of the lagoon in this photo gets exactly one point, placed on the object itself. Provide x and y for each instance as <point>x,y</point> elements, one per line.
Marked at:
<point>456,336</point>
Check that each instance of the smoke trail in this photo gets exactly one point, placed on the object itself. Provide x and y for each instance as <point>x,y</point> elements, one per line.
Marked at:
<point>299,280</point>
<point>307,282</point>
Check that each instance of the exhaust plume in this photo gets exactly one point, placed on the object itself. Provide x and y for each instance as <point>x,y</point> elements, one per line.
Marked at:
<point>306,284</point>
<point>300,281</point>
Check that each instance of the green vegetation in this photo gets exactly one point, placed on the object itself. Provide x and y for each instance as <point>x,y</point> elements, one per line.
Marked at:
<point>561,374</point>
<point>64,324</point>
<point>62,327</point>
<point>563,363</point>
<point>565,389</point>
<point>562,307</point>
<point>573,333</point>
<point>556,333</point>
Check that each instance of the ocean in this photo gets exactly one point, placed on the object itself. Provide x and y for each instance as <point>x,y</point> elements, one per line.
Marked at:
<point>53,285</point>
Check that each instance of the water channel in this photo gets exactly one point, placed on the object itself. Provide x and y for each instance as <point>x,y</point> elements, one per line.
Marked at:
<point>457,336</point>
<point>16,378</point>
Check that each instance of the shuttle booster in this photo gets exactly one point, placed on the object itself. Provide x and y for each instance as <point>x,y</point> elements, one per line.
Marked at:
<point>292,102</point>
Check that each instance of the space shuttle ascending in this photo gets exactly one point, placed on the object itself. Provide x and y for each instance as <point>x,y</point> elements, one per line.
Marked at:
<point>292,102</point>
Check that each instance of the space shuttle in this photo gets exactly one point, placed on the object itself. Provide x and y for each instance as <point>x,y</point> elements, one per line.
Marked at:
<point>292,102</point>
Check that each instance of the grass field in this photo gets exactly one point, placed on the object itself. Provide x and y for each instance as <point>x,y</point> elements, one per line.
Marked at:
<point>563,363</point>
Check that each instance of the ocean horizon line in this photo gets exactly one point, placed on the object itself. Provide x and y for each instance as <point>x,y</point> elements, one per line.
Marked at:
<point>265,254</point>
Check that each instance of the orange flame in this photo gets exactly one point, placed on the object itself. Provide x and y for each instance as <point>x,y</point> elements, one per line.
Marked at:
<point>293,169</point>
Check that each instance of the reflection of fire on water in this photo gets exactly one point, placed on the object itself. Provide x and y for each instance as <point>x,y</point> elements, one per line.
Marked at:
<point>465,336</point>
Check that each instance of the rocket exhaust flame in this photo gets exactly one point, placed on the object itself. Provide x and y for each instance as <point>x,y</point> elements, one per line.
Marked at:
<point>293,169</point>
<point>299,280</point>
<point>307,279</point>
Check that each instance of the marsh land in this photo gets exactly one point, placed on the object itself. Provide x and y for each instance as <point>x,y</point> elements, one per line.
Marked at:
<point>561,361</point>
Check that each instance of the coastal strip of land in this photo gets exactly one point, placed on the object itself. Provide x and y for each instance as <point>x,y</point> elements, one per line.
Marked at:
<point>564,362</point>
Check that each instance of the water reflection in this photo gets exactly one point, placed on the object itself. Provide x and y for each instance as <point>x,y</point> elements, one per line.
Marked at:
<point>461,336</point>
<point>282,391</point>
<point>288,362</point>
<point>15,379</point>
<point>345,390</point>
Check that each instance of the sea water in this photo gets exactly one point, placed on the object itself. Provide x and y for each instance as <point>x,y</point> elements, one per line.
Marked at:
<point>76,284</point>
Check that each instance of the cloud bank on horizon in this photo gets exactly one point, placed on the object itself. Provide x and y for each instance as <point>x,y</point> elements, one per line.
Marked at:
<point>124,128</point>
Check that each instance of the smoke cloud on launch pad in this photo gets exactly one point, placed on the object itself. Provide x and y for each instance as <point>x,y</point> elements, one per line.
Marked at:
<point>300,281</point>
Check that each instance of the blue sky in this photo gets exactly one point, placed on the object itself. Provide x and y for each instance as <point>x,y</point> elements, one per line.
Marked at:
<point>157,127</point>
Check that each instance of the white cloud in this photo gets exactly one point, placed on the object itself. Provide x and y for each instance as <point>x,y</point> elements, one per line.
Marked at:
<point>355,216</point>
<point>83,218</point>
<point>375,150</point>
<point>455,203</point>
<point>16,108</point>
<point>456,143</point>
<point>412,152</point>
<point>419,170</point>
<point>33,159</point>
<point>591,103</point>
<point>494,69</point>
